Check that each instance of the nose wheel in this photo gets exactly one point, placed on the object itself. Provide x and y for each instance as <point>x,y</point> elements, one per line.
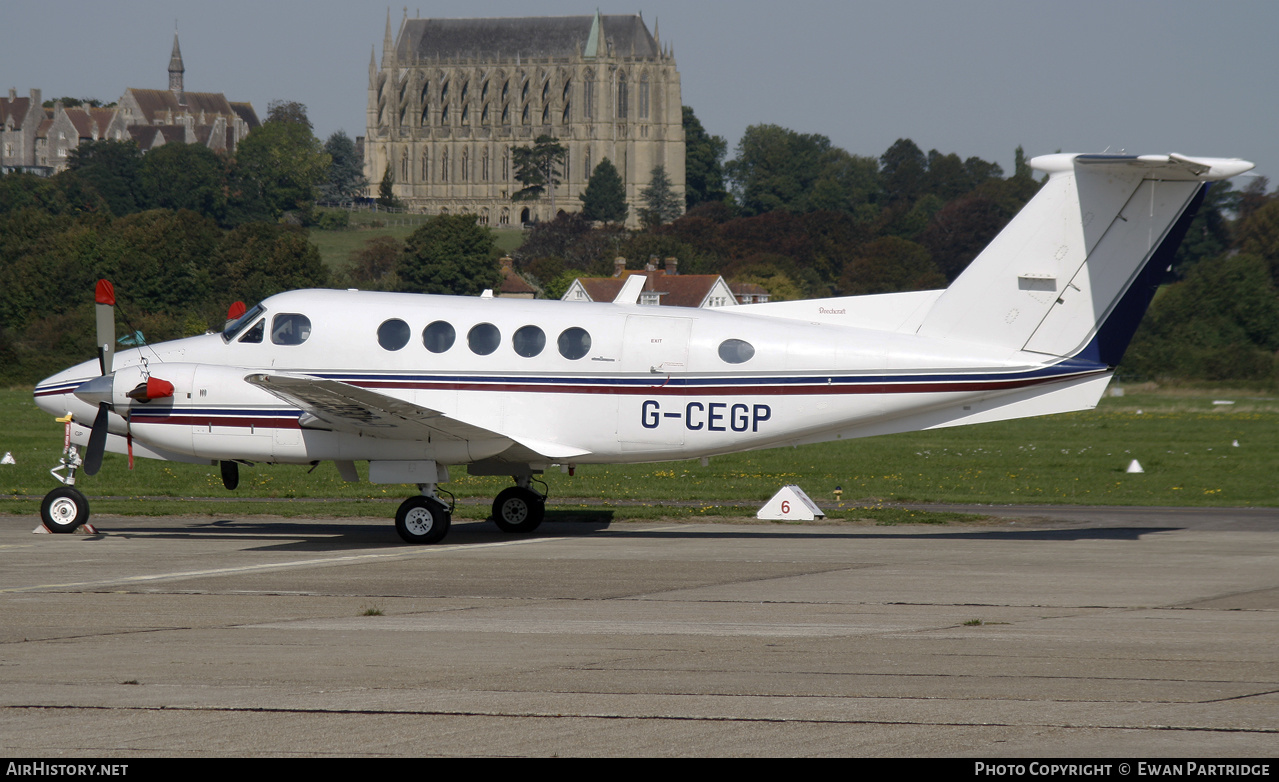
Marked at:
<point>519,509</point>
<point>64,509</point>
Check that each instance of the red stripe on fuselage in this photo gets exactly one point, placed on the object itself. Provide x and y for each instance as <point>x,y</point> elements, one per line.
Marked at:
<point>922,387</point>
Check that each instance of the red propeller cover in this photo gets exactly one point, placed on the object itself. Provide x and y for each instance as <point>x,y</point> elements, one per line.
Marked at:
<point>105,293</point>
<point>158,389</point>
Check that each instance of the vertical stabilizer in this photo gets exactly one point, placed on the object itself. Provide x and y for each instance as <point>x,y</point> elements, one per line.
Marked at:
<point>1101,227</point>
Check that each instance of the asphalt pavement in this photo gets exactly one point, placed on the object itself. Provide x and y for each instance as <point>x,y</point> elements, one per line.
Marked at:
<point>1043,632</point>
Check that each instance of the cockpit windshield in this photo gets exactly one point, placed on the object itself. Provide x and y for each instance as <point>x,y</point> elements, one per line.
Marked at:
<point>237,325</point>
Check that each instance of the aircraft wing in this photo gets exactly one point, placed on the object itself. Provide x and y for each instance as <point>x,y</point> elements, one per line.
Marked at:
<point>347,408</point>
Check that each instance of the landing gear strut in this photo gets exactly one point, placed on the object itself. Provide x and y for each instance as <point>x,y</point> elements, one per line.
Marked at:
<point>423,519</point>
<point>64,509</point>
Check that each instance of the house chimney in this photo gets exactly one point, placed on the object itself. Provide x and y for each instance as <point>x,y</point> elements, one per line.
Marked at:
<point>651,266</point>
<point>507,263</point>
<point>672,266</point>
<point>619,266</point>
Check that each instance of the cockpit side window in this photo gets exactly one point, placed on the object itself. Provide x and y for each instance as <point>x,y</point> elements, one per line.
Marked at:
<point>254,335</point>
<point>236,326</point>
<point>290,328</point>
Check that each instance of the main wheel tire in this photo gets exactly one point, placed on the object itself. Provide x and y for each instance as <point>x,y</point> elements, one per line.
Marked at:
<point>519,510</point>
<point>422,520</point>
<point>64,509</point>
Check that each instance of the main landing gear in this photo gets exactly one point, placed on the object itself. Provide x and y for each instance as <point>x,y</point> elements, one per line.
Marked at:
<point>425,518</point>
<point>519,509</point>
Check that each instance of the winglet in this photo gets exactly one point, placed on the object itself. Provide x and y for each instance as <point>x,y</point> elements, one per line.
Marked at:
<point>629,294</point>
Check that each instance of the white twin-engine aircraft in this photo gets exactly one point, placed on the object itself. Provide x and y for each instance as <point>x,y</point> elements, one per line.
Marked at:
<point>412,383</point>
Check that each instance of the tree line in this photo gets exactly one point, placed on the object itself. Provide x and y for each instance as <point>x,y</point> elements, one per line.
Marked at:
<point>806,219</point>
<point>182,231</point>
<point>185,231</point>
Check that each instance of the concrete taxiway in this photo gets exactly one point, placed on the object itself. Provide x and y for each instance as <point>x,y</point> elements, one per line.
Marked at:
<point>1042,633</point>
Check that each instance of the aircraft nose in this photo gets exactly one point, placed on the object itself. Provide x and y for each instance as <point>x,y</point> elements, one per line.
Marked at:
<point>95,391</point>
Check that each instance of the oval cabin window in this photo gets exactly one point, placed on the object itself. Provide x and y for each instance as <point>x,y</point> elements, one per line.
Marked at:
<point>483,339</point>
<point>574,343</point>
<point>393,334</point>
<point>528,341</point>
<point>736,351</point>
<point>439,336</point>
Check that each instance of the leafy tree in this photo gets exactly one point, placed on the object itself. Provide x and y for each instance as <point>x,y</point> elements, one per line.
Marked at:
<point>113,168</point>
<point>776,168</point>
<point>19,192</point>
<point>1209,233</point>
<point>184,176</point>
<point>661,204</point>
<point>773,168</point>
<point>1259,235</point>
<point>890,264</point>
<point>386,190</point>
<point>769,271</point>
<point>604,198</point>
<point>845,183</point>
<point>257,260</point>
<point>373,265</point>
<point>450,254</point>
<point>1220,323</point>
<point>1021,165</point>
<point>287,111</point>
<point>947,176</point>
<point>279,167</point>
<point>904,171</point>
<point>539,168</point>
<point>161,258</point>
<point>703,163</point>
<point>1253,198</point>
<point>963,227</point>
<point>980,171</point>
<point>346,170</point>
<point>571,240</point>
<point>69,102</point>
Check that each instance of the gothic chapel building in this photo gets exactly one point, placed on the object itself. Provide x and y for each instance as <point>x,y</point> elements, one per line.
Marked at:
<point>453,97</point>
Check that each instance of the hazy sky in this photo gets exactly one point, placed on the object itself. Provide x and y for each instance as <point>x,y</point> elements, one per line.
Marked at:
<point>974,77</point>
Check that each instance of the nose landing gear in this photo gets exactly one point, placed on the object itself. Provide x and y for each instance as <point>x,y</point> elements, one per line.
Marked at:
<point>64,509</point>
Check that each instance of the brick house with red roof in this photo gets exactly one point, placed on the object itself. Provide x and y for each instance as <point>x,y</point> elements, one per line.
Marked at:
<point>666,287</point>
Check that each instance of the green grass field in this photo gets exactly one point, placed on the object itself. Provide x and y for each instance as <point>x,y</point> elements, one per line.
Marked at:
<point>336,246</point>
<point>1184,442</point>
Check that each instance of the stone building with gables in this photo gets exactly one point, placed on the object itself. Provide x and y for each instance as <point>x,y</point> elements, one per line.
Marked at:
<point>154,117</point>
<point>40,140</point>
<point>453,97</point>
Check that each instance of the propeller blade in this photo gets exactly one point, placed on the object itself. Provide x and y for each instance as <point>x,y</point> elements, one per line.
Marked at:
<point>97,440</point>
<point>230,475</point>
<point>104,296</point>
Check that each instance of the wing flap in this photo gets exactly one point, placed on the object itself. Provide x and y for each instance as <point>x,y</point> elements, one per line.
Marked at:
<point>347,408</point>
